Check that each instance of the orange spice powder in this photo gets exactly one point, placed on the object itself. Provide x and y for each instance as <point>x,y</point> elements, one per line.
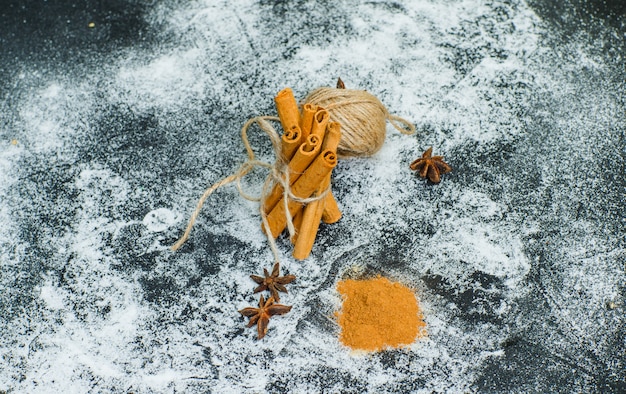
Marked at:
<point>377,313</point>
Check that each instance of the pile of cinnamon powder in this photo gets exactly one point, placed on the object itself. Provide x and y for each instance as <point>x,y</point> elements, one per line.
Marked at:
<point>377,314</point>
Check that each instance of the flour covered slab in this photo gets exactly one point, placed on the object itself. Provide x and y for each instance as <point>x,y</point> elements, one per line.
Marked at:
<point>116,116</point>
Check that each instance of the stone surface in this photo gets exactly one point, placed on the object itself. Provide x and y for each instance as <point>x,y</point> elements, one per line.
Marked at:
<point>115,116</point>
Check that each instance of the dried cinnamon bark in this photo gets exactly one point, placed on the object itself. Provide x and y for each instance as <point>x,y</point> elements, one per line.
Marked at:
<point>303,157</point>
<point>303,188</point>
<point>306,121</point>
<point>287,109</point>
<point>290,142</point>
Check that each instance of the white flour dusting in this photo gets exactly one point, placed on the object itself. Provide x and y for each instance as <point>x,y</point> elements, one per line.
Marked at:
<point>107,165</point>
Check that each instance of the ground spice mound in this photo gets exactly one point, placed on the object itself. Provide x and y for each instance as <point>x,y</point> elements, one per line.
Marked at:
<point>377,313</point>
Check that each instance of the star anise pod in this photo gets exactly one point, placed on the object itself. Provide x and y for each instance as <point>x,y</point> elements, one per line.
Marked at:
<point>273,282</point>
<point>430,166</point>
<point>261,315</point>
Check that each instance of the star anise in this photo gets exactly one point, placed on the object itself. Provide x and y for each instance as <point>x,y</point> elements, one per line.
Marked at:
<point>430,166</point>
<point>261,315</point>
<point>340,84</point>
<point>273,282</point>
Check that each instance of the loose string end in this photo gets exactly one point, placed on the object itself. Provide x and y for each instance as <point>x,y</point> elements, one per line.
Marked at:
<point>196,212</point>
<point>394,120</point>
<point>244,169</point>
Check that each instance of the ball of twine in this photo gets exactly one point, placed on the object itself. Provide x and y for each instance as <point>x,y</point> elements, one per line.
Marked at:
<point>363,119</point>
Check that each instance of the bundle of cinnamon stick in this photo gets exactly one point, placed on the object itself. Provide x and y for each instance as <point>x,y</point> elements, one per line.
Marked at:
<point>309,146</point>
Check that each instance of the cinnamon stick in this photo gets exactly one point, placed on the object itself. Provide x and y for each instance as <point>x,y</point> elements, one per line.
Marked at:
<point>332,136</point>
<point>290,141</point>
<point>306,121</point>
<point>307,232</point>
<point>304,187</point>
<point>304,156</point>
<point>287,109</point>
<point>331,213</point>
<point>320,120</point>
<point>297,222</point>
<point>325,209</point>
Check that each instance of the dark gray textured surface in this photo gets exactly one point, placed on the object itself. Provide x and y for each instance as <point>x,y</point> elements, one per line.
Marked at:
<point>110,134</point>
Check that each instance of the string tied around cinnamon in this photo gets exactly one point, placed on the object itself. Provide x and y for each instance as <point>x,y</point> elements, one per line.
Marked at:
<point>362,119</point>
<point>279,174</point>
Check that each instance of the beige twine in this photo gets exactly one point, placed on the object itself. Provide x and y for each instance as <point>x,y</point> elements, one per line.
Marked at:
<point>279,173</point>
<point>362,118</point>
